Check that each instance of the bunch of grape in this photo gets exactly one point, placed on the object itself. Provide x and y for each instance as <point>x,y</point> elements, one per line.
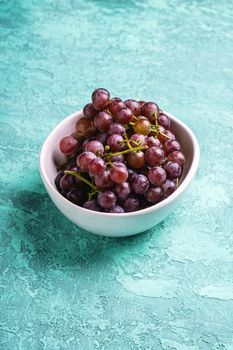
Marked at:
<point>122,156</point>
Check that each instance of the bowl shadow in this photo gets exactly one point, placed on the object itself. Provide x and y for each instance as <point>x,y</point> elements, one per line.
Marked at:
<point>48,239</point>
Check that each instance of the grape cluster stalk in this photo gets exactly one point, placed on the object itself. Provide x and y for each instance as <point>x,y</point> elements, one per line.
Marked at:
<point>122,157</point>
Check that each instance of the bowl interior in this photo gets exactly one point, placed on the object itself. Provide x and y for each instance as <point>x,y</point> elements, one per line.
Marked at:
<point>51,156</point>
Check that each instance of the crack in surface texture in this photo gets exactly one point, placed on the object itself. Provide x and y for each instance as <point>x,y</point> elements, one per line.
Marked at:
<point>170,288</point>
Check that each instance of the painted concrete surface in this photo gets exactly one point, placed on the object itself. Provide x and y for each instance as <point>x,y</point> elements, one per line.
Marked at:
<point>170,288</point>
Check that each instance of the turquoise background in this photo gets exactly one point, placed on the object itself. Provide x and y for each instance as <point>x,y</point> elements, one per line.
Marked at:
<point>170,288</point>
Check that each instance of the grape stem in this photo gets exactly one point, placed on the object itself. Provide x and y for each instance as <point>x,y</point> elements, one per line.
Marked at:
<point>132,149</point>
<point>77,174</point>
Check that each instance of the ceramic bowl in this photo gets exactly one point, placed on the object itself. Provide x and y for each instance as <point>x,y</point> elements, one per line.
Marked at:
<point>106,224</point>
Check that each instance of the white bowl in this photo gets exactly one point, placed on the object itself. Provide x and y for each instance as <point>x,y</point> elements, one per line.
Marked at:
<point>110,224</point>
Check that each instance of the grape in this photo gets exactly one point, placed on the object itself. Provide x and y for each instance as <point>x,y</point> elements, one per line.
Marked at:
<point>100,99</point>
<point>85,127</point>
<point>134,106</point>
<point>103,180</point>
<point>149,110</point>
<point>102,121</point>
<point>154,194</point>
<point>68,145</point>
<point>136,159</point>
<point>164,120</point>
<point>89,111</point>
<point>66,182</point>
<point>168,136</point>
<point>157,176</point>
<point>142,126</point>
<point>168,188</point>
<point>116,209</point>
<point>116,142</point>
<point>171,146</point>
<point>177,157</point>
<point>102,137</point>
<point>92,205</point>
<point>58,179</point>
<point>84,159</point>
<point>97,166</point>
<point>118,173</point>
<point>120,158</point>
<point>106,199</point>
<point>116,105</point>
<point>141,103</point>
<point>154,156</point>
<point>123,190</point>
<point>131,204</point>
<point>77,196</point>
<point>152,141</point>
<point>87,140</point>
<point>124,116</point>
<point>140,184</point>
<point>138,140</point>
<point>132,173</point>
<point>94,146</point>
<point>116,128</point>
<point>173,169</point>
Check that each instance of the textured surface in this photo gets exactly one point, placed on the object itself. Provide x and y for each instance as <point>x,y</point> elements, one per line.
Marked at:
<point>170,288</point>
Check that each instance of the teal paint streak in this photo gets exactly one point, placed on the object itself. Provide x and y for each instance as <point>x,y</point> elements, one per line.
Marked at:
<point>63,288</point>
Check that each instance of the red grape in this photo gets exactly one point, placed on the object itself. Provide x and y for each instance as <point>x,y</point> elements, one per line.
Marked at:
<point>152,141</point>
<point>177,157</point>
<point>103,181</point>
<point>140,184</point>
<point>168,188</point>
<point>85,127</point>
<point>106,199</point>
<point>118,173</point>
<point>89,111</point>
<point>68,145</point>
<point>97,166</point>
<point>173,169</point>
<point>102,121</point>
<point>116,105</point>
<point>116,128</point>
<point>164,120</point>
<point>124,116</point>
<point>138,140</point>
<point>100,99</point>
<point>116,209</point>
<point>136,159</point>
<point>154,156</point>
<point>171,146</point>
<point>154,194</point>
<point>123,190</point>
<point>92,205</point>
<point>149,110</point>
<point>157,176</point>
<point>116,142</point>
<point>94,146</point>
<point>131,204</point>
<point>142,126</point>
<point>84,159</point>
<point>134,106</point>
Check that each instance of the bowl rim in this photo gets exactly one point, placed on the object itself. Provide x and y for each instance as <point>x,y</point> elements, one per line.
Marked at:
<point>190,174</point>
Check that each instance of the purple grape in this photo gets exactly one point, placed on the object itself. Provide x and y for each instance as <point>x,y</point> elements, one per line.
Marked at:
<point>118,173</point>
<point>116,128</point>
<point>103,181</point>
<point>95,147</point>
<point>124,116</point>
<point>102,121</point>
<point>85,127</point>
<point>136,159</point>
<point>123,190</point>
<point>89,111</point>
<point>168,188</point>
<point>134,106</point>
<point>68,145</point>
<point>92,205</point>
<point>138,140</point>
<point>100,99</point>
<point>116,104</point>
<point>154,156</point>
<point>116,142</point>
<point>77,196</point>
<point>149,109</point>
<point>58,179</point>
<point>140,184</point>
<point>106,199</point>
<point>97,166</point>
<point>153,142</point>
<point>116,209</point>
<point>164,120</point>
<point>131,204</point>
<point>171,146</point>
<point>157,176</point>
<point>84,159</point>
<point>173,169</point>
<point>154,194</point>
<point>102,137</point>
<point>66,182</point>
<point>177,157</point>
<point>120,158</point>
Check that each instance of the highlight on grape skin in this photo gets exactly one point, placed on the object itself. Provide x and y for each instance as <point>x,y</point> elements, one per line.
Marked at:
<point>122,156</point>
